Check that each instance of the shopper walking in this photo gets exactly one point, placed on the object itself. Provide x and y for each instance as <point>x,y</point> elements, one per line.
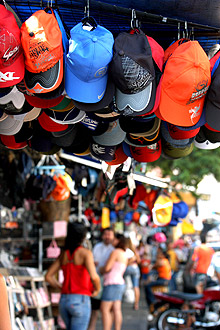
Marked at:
<point>5,322</point>
<point>80,279</point>
<point>101,253</point>
<point>114,286</point>
<point>133,271</point>
<point>201,260</point>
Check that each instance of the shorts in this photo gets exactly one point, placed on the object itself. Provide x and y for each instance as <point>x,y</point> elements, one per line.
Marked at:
<point>96,303</point>
<point>200,278</point>
<point>113,292</point>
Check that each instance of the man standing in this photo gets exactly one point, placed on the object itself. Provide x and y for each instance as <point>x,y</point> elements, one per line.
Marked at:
<point>201,258</point>
<point>101,253</point>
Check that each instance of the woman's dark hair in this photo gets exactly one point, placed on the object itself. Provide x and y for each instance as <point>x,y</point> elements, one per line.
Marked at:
<point>123,243</point>
<point>76,233</point>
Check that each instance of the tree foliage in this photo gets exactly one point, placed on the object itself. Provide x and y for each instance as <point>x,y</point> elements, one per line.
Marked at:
<point>191,169</point>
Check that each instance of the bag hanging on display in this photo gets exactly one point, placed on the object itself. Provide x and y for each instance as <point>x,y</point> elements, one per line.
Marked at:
<point>60,228</point>
<point>53,250</point>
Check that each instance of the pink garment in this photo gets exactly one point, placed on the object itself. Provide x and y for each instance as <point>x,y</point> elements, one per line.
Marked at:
<point>115,276</point>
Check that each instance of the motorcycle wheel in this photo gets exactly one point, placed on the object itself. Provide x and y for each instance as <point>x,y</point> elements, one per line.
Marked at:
<point>167,320</point>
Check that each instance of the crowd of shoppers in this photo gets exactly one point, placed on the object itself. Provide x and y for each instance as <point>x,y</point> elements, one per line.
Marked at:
<point>94,280</point>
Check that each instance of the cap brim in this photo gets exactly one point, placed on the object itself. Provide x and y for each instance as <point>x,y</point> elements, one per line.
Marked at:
<point>69,116</point>
<point>100,105</point>
<point>137,104</point>
<point>44,82</point>
<point>206,145</point>
<point>42,103</point>
<point>147,154</point>
<point>81,91</point>
<point>17,69</point>
<point>10,126</point>
<point>29,116</point>
<point>49,125</point>
<point>12,102</point>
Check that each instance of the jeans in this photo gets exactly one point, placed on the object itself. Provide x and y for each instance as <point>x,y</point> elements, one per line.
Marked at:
<point>148,292</point>
<point>135,274</point>
<point>75,310</point>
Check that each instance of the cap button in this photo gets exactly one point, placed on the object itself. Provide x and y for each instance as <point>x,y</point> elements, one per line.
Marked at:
<point>121,52</point>
<point>94,39</point>
<point>31,34</point>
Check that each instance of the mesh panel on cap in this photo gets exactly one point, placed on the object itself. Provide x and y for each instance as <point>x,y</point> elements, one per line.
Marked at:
<point>136,76</point>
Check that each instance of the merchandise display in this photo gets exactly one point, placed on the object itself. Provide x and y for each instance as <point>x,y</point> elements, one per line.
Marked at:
<point>123,89</point>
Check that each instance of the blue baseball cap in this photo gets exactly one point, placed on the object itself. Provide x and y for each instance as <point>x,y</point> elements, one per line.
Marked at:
<point>86,68</point>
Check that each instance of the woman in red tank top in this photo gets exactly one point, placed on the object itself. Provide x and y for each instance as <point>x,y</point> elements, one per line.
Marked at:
<point>81,280</point>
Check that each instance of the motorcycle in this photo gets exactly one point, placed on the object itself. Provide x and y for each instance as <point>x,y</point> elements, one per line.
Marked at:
<point>179,310</point>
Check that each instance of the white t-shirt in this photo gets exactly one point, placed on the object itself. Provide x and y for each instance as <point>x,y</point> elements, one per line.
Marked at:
<point>101,253</point>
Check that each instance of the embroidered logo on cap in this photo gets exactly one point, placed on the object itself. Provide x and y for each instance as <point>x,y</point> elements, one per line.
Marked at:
<point>7,76</point>
<point>201,90</point>
<point>194,112</point>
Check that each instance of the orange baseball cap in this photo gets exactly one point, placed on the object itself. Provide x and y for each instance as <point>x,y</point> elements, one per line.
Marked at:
<point>41,40</point>
<point>184,85</point>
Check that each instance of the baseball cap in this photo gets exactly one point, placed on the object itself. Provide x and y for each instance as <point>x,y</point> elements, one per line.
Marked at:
<point>72,116</point>
<point>202,142</point>
<point>212,105</point>
<point>143,141</point>
<point>112,137</point>
<point>146,154</point>
<point>174,152</point>
<point>42,103</point>
<point>179,134</point>
<point>64,105</point>
<point>119,156</point>
<point>103,103</point>
<point>28,116</point>
<point>184,84</point>
<point>18,140</point>
<point>144,127</point>
<point>49,125</point>
<point>13,101</point>
<point>178,143</point>
<point>10,126</point>
<point>42,43</point>
<point>11,53</point>
<point>102,152</point>
<point>132,70</point>
<point>87,63</point>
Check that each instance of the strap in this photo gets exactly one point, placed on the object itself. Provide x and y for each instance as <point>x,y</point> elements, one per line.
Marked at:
<point>69,256</point>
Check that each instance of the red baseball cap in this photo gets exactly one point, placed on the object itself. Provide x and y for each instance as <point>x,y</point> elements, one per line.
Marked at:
<point>119,156</point>
<point>49,125</point>
<point>184,85</point>
<point>11,54</point>
<point>179,134</point>
<point>43,103</point>
<point>147,154</point>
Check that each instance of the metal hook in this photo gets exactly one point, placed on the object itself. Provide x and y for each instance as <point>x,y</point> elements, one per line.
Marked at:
<point>86,11</point>
<point>186,30</point>
<point>178,29</point>
<point>134,20</point>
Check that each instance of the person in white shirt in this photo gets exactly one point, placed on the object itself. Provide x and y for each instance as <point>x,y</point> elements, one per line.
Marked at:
<point>101,253</point>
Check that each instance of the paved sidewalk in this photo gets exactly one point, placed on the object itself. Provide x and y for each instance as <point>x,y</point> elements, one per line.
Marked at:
<point>132,320</point>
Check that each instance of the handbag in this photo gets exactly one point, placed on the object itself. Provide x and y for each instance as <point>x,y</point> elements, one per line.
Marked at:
<point>53,250</point>
<point>60,228</point>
